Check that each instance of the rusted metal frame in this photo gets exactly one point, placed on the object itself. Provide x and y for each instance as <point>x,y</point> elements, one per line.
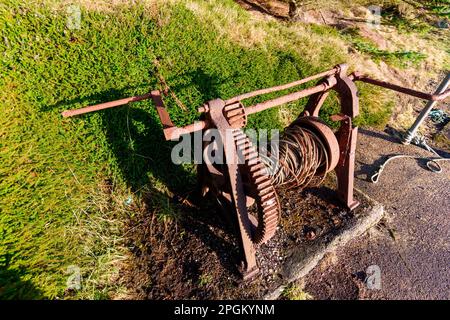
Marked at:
<point>314,104</point>
<point>106,105</point>
<point>345,170</point>
<point>175,132</point>
<point>170,130</point>
<point>412,131</point>
<point>356,76</point>
<point>288,98</point>
<point>236,184</point>
<point>281,87</point>
<point>347,137</point>
<point>162,112</point>
<point>316,101</point>
<point>237,196</point>
<point>234,191</point>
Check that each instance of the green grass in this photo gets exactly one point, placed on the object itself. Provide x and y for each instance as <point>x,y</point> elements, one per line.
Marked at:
<point>64,183</point>
<point>399,59</point>
<point>296,292</point>
<point>439,7</point>
<point>419,17</point>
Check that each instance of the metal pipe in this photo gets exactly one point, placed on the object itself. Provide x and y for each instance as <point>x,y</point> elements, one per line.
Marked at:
<point>287,98</point>
<point>411,132</point>
<point>106,105</point>
<point>281,87</point>
<point>175,132</point>
<point>418,94</point>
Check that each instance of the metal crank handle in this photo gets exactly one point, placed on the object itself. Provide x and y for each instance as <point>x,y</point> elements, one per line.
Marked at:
<point>173,133</point>
<point>170,130</point>
<point>106,105</point>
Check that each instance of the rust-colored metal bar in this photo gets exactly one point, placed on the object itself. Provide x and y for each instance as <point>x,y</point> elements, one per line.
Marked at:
<point>281,87</point>
<point>170,130</point>
<point>412,132</point>
<point>162,112</point>
<point>418,94</point>
<point>287,98</point>
<point>266,105</point>
<point>259,107</point>
<point>106,105</point>
<point>176,132</point>
<point>345,170</point>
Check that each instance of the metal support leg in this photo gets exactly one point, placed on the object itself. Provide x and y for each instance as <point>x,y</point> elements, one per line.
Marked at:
<point>411,132</point>
<point>345,169</point>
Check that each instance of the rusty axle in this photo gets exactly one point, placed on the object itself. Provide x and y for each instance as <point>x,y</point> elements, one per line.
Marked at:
<point>281,87</point>
<point>411,92</point>
<point>288,98</point>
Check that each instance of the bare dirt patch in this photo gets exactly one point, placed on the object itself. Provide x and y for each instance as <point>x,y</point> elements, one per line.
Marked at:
<point>198,256</point>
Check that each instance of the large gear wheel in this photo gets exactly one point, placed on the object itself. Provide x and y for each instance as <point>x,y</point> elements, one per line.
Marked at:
<point>257,185</point>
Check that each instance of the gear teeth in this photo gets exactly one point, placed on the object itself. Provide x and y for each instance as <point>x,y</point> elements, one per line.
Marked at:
<point>265,184</point>
<point>271,210</point>
<point>272,221</point>
<point>248,151</point>
<point>253,161</point>
<point>252,155</point>
<point>256,167</point>
<point>266,193</point>
<point>260,179</point>
<point>266,198</point>
<point>239,135</point>
<point>233,112</point>
<point>234,119</point>
<point>235,115</point>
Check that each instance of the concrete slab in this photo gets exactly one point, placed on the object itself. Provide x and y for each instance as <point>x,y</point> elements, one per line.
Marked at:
<point>303,258</point>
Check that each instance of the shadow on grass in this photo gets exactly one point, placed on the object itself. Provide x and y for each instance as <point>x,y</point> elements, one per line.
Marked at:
<point>136,140</point>
<point>134,135</point>
<point>12,287</point>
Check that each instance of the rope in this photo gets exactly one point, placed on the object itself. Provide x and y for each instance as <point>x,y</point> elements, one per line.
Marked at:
<point>438,116</point>
<point>300,154</point>
<point>432,163</point>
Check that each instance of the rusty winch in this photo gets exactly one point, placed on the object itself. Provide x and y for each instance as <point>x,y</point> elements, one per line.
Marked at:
<point>245,183</point>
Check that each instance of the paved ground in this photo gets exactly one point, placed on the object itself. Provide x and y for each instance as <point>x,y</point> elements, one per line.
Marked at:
<point>411,248</point>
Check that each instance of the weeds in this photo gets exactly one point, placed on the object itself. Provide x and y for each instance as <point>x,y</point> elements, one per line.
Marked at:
<point>295,292</point>
<point>396,58</point>
<point>205,279</point>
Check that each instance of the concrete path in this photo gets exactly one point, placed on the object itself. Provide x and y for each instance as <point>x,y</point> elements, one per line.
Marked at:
<point>411,247</point>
